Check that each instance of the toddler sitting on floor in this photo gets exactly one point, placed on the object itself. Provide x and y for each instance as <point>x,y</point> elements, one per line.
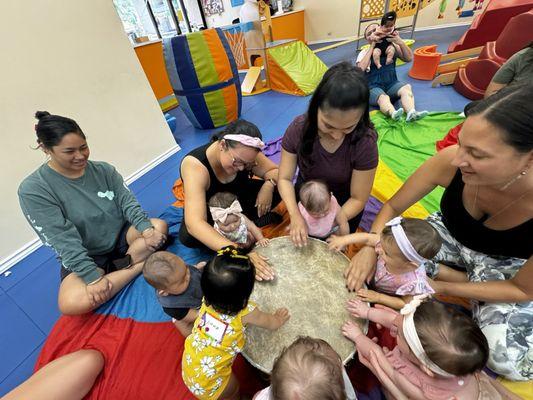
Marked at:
<point>177,287</point>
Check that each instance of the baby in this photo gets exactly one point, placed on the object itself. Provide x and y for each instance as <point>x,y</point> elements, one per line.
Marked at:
<point>229,221</point>
<point>321,211</point>
<point>383,46</point>
<point>218,332</point>
<point>440,352</point>
<point>308,369</point>
<point>177,287</point>
<point>403,248</point>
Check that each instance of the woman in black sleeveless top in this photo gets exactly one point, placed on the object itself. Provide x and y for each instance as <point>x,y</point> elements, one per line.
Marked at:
<point>486,223</point>
<point>227,165</point>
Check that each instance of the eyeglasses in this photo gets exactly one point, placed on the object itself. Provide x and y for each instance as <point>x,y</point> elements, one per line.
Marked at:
<point>240,163</point>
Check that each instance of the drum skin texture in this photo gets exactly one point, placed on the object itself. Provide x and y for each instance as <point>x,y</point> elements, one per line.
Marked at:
<point>309,282</point>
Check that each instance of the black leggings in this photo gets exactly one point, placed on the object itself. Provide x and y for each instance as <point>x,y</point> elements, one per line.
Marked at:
<point>247,197</point>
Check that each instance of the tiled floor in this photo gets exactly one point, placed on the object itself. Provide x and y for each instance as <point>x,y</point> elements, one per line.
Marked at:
<point>28,296</point>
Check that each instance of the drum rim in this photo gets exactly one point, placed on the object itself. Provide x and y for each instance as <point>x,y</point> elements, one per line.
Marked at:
<point>350,356</point>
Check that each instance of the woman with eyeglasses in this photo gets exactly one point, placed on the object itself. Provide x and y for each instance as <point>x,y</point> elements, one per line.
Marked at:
<point>334,142</point>
<point>227,164</point>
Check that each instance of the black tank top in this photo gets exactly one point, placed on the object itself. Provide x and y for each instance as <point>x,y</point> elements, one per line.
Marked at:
<point>215,186</point>
<point>513,242</point>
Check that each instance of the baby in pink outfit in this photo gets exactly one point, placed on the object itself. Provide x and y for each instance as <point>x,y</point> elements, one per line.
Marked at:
<point>321,211</point>
<point>402,248</point>
<point>439,355</point>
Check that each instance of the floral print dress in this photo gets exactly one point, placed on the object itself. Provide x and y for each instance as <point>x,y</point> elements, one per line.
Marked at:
<point>210,350</point>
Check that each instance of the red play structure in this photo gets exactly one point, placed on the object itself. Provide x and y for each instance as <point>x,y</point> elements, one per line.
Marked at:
<point>472,80</point>
<point>487,26</point>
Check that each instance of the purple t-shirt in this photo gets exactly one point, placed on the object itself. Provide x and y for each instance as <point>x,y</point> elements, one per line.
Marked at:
<point>334,168</point>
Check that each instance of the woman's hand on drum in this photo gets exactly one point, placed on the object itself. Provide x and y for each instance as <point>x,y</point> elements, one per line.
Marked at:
<point>338,243</point>
<point>264,199</point>
<point>298,231</point>
<point>263,270</point>
<point>357,308</point>
<point>361,268</point>
<point>282,315</point>
<point>153,238</point>
<point>99,292</point>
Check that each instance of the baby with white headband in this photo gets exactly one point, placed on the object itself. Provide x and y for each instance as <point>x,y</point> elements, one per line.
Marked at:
<point>403,248</point>
<point>439,355</point>
<point>231,223</point>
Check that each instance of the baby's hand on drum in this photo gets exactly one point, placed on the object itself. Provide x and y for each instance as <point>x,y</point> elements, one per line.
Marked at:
<point>282,315</point>
<point>263,271</point>
<point>369,296</point>
<point>336,242</point>
<point>357,308</point>
<point>351,330</point>
<point>263,242</point>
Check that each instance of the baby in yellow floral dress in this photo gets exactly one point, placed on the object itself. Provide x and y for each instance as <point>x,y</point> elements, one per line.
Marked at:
<point>218,333</point>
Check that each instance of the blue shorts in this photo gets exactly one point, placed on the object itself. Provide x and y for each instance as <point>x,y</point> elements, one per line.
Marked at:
<point>390,90</point>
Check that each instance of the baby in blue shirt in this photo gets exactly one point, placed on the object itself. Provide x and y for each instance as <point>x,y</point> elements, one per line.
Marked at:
<point>177,287</point>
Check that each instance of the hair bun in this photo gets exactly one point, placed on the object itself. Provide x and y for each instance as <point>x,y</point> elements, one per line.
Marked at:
<point>41,114</point>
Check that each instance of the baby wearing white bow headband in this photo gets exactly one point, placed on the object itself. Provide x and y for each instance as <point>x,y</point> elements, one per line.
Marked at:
<point>440,352</point>
<point>231,223</point>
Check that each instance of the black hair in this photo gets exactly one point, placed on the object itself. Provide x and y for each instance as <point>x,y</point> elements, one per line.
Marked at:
<point>51,129</point>
<point>228,280</point>
<point>238,127</point>
<point>451,339</point>
<point>511,110</point>
<point>388,17</point>
<point>343,87</point>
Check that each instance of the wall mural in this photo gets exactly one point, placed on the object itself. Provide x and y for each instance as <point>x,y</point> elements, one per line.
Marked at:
<point>212,7</point>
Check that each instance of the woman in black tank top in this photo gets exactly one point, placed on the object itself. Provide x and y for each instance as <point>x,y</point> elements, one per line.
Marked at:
<point>486,223</point>
<point>227,164</point>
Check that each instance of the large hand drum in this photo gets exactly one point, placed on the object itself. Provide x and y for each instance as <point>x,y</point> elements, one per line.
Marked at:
<point>309,282</point>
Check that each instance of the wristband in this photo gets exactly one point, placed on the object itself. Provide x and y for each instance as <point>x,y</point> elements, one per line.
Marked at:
<point>272,181</point>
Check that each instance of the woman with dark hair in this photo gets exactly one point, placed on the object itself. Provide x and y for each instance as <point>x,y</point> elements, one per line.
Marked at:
<point>517,69</point>
<point>334,142</point>
<point>486,223</point>
<point>227,164</point>
<point>85,212</point>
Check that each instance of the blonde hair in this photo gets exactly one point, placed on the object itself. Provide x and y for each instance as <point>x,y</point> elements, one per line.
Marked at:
<point>309,369</point>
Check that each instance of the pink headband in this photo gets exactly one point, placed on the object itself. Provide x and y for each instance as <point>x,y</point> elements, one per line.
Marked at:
<point>403,242</point>
<point>247,140</point>
<point>221,214</point>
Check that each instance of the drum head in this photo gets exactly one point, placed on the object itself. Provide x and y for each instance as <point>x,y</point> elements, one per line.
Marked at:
<point>309,282</point>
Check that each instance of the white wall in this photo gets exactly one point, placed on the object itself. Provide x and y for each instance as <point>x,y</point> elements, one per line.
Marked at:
<point>72,58</point>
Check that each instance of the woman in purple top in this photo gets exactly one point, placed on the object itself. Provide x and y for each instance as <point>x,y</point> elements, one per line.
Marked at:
<point>334,142</point>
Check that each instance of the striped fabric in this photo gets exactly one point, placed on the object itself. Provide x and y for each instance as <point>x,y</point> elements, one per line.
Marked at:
<point>204,77</point>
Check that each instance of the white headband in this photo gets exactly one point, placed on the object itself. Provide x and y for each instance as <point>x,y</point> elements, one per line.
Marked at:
<point>246,140</point>
<point>403,242</point>
<point>221,214</point>
<point>412,339</point>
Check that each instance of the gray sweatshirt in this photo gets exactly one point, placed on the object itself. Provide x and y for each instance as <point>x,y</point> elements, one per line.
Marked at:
<point>80,217</point>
